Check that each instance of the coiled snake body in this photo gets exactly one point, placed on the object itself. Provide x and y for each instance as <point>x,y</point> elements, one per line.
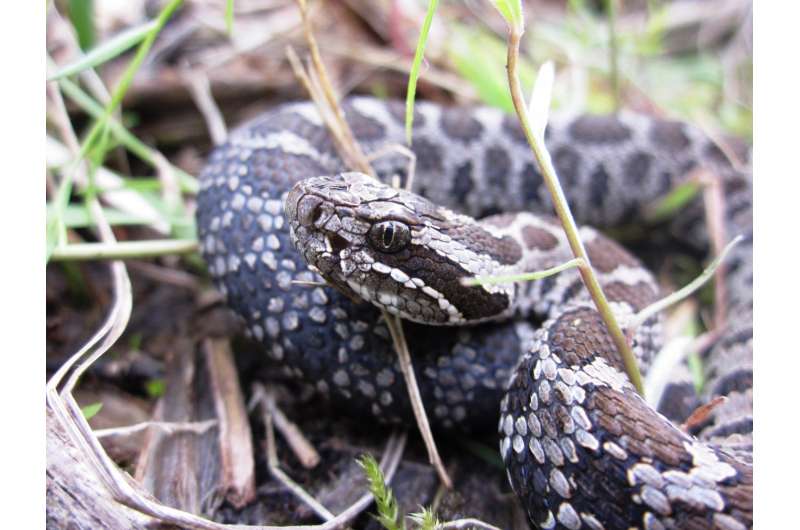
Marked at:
<point>582,449</point>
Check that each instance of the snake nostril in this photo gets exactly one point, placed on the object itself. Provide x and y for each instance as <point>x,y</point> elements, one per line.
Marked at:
<point>338,243</point>
<point>309,210</point>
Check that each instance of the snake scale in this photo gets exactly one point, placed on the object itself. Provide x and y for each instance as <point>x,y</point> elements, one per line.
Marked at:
<point>582,449</point>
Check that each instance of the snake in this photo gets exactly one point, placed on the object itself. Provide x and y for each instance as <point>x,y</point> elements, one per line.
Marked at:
<point>307,253</point>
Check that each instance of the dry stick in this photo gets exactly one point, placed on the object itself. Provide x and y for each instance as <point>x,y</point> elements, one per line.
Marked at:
<point>390,60</point>
<point>613,51</point>
<point>303,449</point>
<point>465,523</point>
<point>334,126</point>
<point>564,214</point>
<point>235,447</point>
<point>714,202</point>
<point>175,277</point>
<point>167,427</point>
<point>268,409</point>
<point>320,89</point>
<point>406,366</point>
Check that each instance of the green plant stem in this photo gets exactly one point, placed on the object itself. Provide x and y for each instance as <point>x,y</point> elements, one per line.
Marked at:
<point>124,250</point>
<point>613,51</point>
<point>526,277</point>
<point>565,216</point>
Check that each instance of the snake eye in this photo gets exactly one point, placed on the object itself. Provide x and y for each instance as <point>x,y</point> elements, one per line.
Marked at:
<point>389,236</point>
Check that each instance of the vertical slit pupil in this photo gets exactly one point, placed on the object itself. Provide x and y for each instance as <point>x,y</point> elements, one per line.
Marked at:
<point>388,235</point>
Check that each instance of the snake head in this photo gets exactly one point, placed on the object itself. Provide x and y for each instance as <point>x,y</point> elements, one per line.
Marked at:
<point>397,250</point>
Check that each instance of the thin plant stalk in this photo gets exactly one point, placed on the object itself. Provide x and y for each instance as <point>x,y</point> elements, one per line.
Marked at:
<point>684,291</point>
<point>613,51</point>
<point>525,277</point>
<point>418,407</point>
<point>563,211</point>
<point>123,250</point>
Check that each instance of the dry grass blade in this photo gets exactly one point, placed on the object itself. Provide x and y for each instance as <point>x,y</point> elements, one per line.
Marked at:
<point>466,523</point>
<point>200,89</point>
<point>406,366</point>
<point>302,448</point>
<point>167,427</point>
<point>318,84</point>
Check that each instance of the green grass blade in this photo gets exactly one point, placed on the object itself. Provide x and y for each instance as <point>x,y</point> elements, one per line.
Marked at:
<point>53,235</point>
<point>684,291</point>
<point>106,51</point>
<point>525,277</point>
<point>188,183</point>
<point>669,206</point>
<point>91,410</point>
<point>81,14</point>
<point>229,17</point>
<point>480,57</point>
<point>77,216</point>
<point>419,54</point>
<point>511,10</point>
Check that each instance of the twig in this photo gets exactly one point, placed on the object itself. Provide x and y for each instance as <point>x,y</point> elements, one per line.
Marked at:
<point>390,60</point>
<point>389,462</point>
<point>613,51</point>
<point>325,96</point>
<point>167,427</point>
<point>298,443</point>
<point>172,276</point>
<point>268,413</point>
<point>466,523</point>
<point>396,330</point>
<point>714,201</point>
